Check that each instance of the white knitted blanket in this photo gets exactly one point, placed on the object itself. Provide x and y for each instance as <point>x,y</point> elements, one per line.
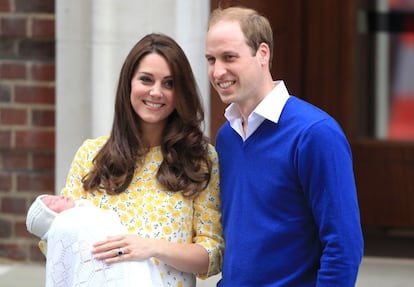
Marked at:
<point>70,262</point>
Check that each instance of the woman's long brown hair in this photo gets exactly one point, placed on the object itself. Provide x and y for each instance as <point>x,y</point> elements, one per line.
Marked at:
<point>186,166</point>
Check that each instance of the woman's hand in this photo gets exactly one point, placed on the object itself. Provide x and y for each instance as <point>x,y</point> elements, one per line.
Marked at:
<point>126,247</point>
<point>191,257</point>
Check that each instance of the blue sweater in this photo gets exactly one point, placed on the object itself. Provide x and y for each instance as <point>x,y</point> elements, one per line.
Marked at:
<point>290,211</point>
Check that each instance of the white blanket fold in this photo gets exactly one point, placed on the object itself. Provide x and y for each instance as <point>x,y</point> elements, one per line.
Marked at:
<point>70,262</point>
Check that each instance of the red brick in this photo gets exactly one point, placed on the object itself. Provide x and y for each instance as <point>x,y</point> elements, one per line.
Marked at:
<point>8,48</point>
<point>5,93</point>
<point>43,71</point>
<point>27,83</point>
<point>43,161</point>
<point>35,95</point>
<point>36,6</point>
<point>43,118</point>
<point>28,234</point>
<point>13,27</point>
<point>40,182</point>
<point>35,139</point>
<point>37,49</point>
<point>5,139</point>
<point>12,71</point>
<point>13,251</point>
<point>20,230</point>
<point>13,205</point>
<point>10,116</point>
<point>5,181</point>
<point>43,28</point>
<point>5,228</point>
<point>15,160</point>
<point>36,254</point>
<point>4,5</point>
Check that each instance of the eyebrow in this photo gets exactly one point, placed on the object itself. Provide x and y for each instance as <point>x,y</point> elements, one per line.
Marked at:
<point>145,73</point>
<point>151,74</point>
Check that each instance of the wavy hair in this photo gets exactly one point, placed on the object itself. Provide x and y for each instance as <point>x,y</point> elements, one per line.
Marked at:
<point>185,166</point>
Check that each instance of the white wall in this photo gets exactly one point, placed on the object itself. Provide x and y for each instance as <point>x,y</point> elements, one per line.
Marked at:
<point>93,38</point>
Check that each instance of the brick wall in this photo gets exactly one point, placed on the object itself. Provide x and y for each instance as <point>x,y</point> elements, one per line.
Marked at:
<point>27,118</point>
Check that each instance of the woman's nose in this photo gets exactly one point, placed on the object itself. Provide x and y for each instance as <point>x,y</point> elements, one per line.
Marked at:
<point>155,91</point>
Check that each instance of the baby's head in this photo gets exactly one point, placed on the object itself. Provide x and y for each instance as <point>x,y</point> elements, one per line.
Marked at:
<point>43,211</point>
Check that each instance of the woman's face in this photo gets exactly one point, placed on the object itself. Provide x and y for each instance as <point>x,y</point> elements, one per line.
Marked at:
<point>58,203</point>
<point>152,92</point>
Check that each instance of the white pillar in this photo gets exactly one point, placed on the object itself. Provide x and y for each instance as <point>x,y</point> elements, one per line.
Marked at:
<point>73,78</point>
<point>192,37</point>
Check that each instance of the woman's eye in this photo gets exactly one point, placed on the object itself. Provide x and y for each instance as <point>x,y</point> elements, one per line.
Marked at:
<point>169,84</point>
<point>145,79</point>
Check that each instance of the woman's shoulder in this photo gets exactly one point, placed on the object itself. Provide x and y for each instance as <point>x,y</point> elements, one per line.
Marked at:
<point>212,151</point>
<point>95,143</point>
<point>90,147</point>
<point>99,141</point>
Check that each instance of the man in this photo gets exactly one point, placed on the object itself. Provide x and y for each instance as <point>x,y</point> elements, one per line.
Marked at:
<point>290,210</point>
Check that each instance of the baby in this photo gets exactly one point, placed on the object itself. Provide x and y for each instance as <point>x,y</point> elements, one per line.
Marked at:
<point>44,210</point>
<point>71,228</point>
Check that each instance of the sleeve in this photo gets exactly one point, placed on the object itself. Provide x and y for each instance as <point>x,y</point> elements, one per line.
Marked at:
<point>207,220</point>
<point>42,244</point>
<point>326,173</point>
<point>80,166</point>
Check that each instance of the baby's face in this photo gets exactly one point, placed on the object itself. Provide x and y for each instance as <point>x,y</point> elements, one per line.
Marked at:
<point>58,203</point>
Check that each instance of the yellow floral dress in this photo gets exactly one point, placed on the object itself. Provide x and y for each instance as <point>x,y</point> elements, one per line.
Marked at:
<point>147,209</point>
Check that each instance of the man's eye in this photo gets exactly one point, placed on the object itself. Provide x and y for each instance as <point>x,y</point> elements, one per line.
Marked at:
<point>211,60</point>
<point>230,57</point>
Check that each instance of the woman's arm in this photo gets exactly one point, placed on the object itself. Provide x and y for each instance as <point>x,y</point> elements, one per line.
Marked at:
<point>190,258</point>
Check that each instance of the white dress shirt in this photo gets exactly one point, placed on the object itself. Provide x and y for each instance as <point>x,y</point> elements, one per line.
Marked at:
<point>269,108</point>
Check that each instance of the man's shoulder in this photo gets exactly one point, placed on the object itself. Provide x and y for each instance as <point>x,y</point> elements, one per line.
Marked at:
<point>302,109</point>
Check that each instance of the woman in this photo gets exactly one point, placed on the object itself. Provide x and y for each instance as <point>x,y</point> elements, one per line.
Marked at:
<point>156,169</point>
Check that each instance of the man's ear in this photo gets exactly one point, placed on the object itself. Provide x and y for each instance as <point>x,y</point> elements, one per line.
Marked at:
<point>264,53</point>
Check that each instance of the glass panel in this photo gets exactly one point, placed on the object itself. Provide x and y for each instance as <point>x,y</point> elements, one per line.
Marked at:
<point>386,84</point>
<point>401,117</point>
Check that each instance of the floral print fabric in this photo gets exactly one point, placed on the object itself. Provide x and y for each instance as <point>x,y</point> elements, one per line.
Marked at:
<point>147,209</point>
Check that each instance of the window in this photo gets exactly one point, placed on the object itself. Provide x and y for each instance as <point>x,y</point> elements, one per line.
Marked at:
<point>386,69</point>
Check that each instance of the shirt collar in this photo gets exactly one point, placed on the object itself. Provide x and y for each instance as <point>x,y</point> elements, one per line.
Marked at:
<point>272,105</point>
<point>269,108</point>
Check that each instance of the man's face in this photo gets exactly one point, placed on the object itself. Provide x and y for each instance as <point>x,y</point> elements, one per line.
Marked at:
<point>234,69</point>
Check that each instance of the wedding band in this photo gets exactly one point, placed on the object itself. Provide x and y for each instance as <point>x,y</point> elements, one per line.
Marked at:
<point>120,252</point>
